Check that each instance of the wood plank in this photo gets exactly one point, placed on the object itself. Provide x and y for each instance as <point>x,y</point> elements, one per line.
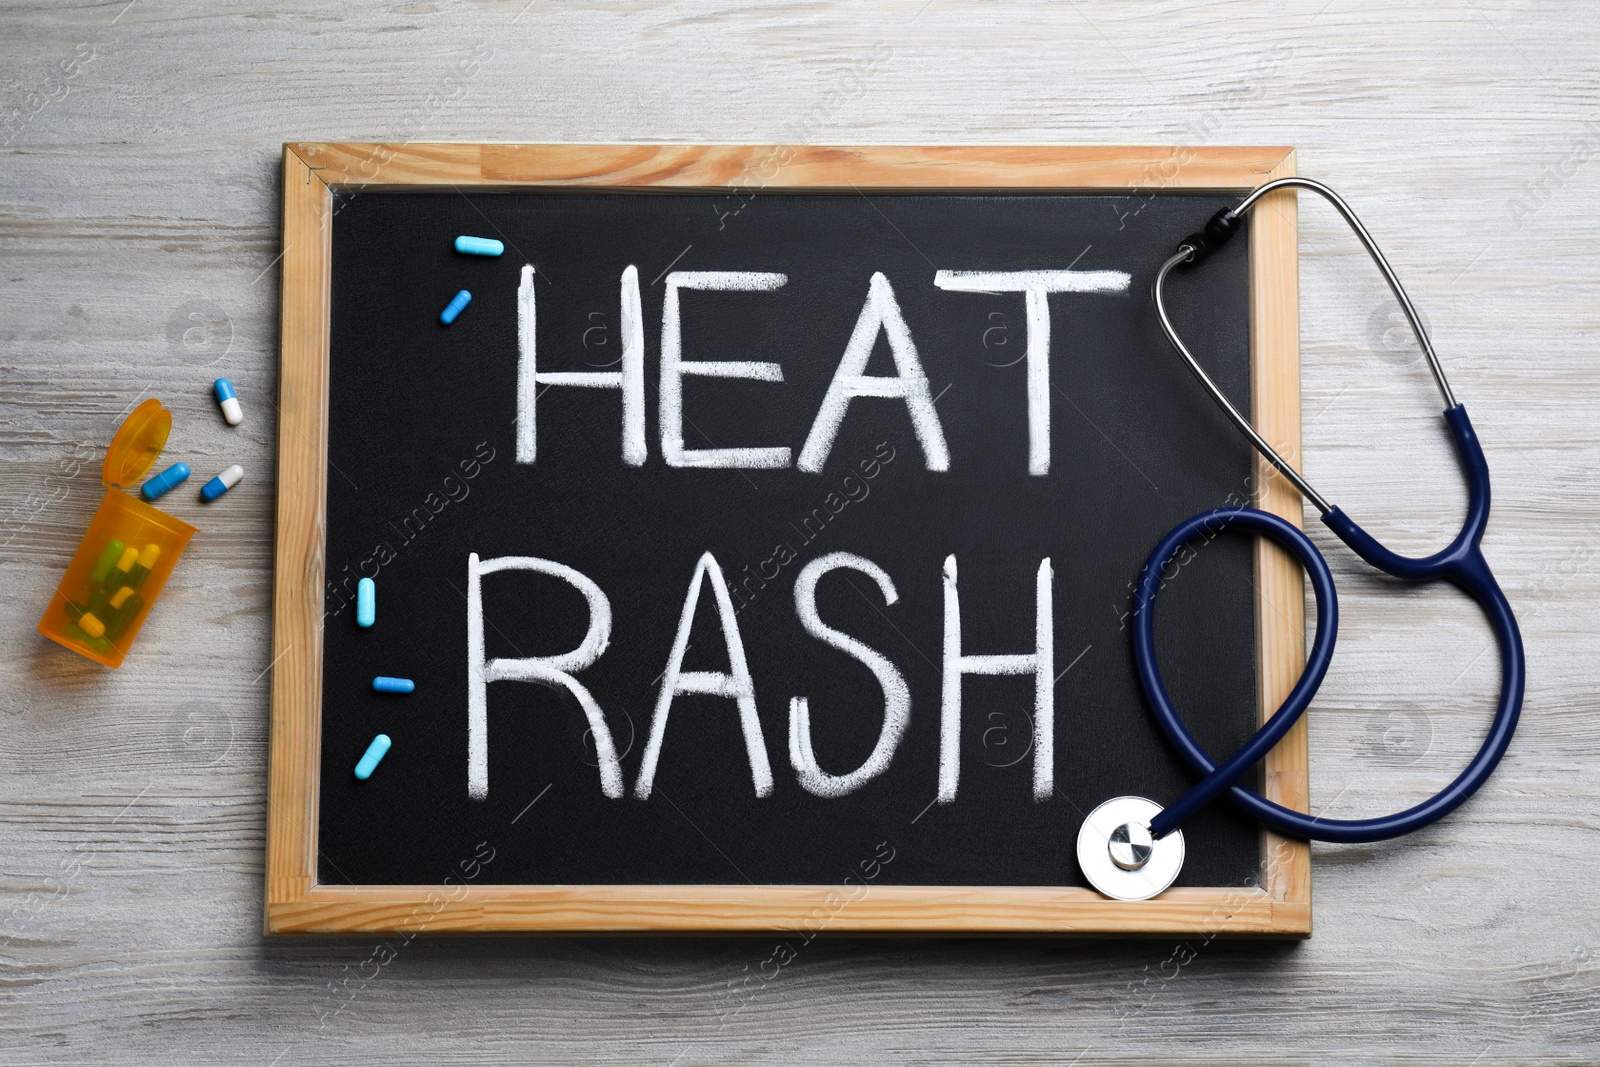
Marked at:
<point>295,770</point>
<point>1150,169</point>
<point>944,911</point>
<point>1280,591</point>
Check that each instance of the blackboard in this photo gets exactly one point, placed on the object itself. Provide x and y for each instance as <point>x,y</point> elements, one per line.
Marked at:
<point>455,454</point>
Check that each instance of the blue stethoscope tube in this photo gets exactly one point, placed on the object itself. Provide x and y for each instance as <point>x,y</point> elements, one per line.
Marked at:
<point>1462,564</point>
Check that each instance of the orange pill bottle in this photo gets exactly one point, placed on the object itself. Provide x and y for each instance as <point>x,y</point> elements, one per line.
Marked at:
<point>125,557</point>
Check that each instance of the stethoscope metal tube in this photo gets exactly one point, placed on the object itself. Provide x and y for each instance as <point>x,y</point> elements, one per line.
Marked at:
<point>1196,248</point>
<point>1185,254</point>
<point>1132,873</point>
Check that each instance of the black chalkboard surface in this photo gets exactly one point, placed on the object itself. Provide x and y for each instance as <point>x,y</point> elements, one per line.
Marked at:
<point>424,435</point>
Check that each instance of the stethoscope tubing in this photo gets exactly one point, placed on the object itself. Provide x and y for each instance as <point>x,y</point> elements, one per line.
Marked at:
<point>1217,779</point>
<point>1462,564</point>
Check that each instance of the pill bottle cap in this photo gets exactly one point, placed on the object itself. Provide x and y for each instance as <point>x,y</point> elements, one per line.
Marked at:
<point>137,445</point>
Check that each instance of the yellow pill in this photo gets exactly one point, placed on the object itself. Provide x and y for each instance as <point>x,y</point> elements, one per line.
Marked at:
<point>127,605</point>
<point>141,570</point>
<point>91,625</point>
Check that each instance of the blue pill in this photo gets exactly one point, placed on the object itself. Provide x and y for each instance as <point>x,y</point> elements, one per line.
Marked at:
<point>229,401</point>
<point>372,756</point>
<point>221,483</point>
<point>393,685</point>
<point>479,246</point>
<point>455,307</point>
<point>366,602</point>
<point>165,482</point>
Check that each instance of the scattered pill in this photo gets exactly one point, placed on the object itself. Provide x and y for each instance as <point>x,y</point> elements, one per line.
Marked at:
<point>479,246</point>
<point>366,602</point>
<point>222,483</point>
<point>229,401</point>
<point>393,685</point>
<point>455,307</point>
<point>372,756</point>
<point>141,569</point>
<point>165,482</point>
<point>107,560</point>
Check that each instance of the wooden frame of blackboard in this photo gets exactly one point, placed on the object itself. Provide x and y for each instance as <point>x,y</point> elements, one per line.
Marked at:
<point>295,903</point>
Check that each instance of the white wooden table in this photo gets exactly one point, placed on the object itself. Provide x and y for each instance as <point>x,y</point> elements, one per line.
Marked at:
<point>138,231</point>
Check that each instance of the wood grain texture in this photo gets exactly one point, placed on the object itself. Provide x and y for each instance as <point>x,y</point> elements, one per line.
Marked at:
<point>1280,591</point>
<point>783,911</point>
<point>139,228</point>
<point>296,904</point>
<point>295,768</point>
<point>753,168</point>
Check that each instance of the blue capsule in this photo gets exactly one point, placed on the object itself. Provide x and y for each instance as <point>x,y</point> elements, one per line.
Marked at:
<point>229,401</point>
<point>384,684</point>
<point>455,307</point>
<point>366,602</point>
<point>479,246</point>
<point>221,483</point>
<point>165,482</point>
<point>372,756</point>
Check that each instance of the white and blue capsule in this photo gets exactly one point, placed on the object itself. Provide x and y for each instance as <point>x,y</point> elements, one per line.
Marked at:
<point>229,401</point>
<point>221,483</point>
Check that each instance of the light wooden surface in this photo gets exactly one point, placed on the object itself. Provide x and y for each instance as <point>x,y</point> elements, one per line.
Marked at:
<point>139,186</point>
<point>312,172</point>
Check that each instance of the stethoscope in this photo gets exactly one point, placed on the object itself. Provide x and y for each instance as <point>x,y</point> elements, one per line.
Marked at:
<point>1131,848</point>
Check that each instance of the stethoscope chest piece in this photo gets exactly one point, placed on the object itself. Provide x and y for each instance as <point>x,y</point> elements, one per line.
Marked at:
<point>1118,856</point>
